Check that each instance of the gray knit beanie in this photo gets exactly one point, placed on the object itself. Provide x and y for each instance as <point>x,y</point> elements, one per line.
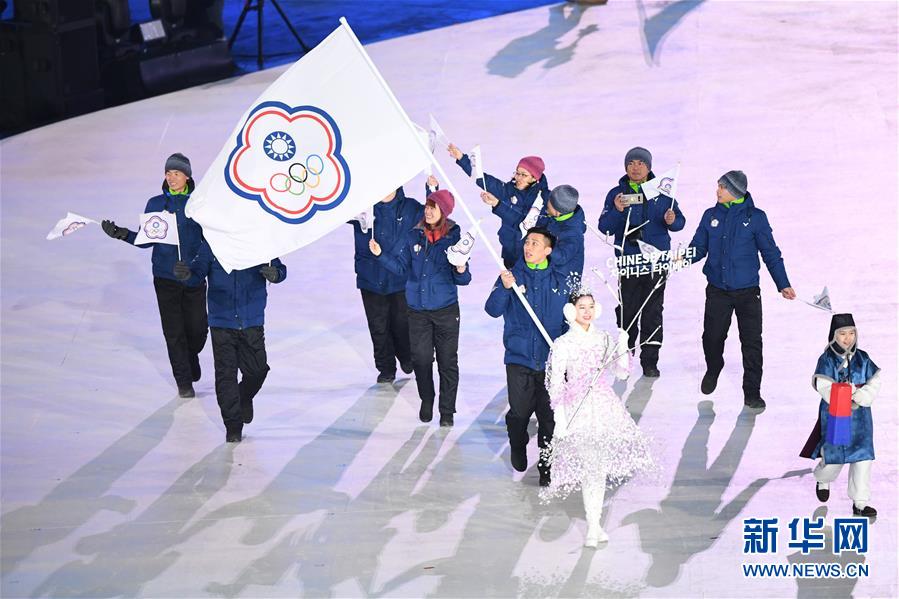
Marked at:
<point>638,153</point>
<point>178,162</point>
<point>735,183</point>
<point>564,198</point>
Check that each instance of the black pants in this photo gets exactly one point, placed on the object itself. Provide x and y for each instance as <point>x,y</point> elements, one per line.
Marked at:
<point>233,350</point>
<point>527,395</point>
<point>634,291</point>
<point>719,306</point>
<point>437,331</point>
<point>388,324</point>
<point>182,310</point>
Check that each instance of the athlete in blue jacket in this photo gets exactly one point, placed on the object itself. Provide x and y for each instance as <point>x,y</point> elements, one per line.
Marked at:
<point>661,216</point>
<point>433,301</point>
<point>509,200</point>
<point>565,220</point>
<point>182,304</point>
<point>383,291</point>
<point>236,319</point>
<point>526,349</point>
<point>731,235</point>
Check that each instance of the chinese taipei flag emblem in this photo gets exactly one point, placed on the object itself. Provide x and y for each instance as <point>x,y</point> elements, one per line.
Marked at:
<point>288,160</point>
<point>323,143</point>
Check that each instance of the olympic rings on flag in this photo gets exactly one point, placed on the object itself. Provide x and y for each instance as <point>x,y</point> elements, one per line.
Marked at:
<point>297,178</point>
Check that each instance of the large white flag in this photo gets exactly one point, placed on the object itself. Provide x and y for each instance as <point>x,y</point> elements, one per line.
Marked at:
<point>666,184</point>
<point>425,136</point>
<point>158,227</point>
<point>70,223</point>
<point>323,143</point>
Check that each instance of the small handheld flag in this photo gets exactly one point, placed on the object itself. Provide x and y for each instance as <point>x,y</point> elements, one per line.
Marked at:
<point>67,225</point>
<point>821,301</point>
<point>664,184</point>
<point>460,253</point>
<point>530,220</point>
<point>157,227</point>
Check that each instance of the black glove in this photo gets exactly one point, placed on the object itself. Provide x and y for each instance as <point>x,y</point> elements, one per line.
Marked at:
<point>270,273</point>
<point>181,270</point>
<point>110,228</point>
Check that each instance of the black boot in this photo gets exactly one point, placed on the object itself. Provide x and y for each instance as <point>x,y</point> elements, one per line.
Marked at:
<point>195,367</point>
<point>544,470</point>
<point>233,433</point>
<point>426,411</point>
<point>446,420</point>
<point>709,382</point>
<point>186,391</point>
<point>651,371</point>
<point>756,403</point>
<point>519,459</point>
<point>246,410</point>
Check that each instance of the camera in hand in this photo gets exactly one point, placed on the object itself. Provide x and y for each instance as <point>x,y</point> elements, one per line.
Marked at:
<point>629,199</point>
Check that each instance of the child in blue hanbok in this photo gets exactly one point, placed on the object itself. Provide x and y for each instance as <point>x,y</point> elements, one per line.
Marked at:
<point>843,362</point>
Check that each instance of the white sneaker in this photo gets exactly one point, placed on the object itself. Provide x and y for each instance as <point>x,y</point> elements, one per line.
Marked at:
<point>595,536</point>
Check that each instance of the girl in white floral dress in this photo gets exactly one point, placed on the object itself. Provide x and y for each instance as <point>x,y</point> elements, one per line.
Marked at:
<point>596,442</point>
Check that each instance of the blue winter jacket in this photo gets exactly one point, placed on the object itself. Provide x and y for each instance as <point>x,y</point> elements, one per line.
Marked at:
<point>393,221</point>
<point>236,300</point>
<point>543,289</point>
<point>568,253</point>
<point>733,238</point>
<point>430,279</point>
<point>190,234</point>
<point>655,232</point>
<point>513,206</point>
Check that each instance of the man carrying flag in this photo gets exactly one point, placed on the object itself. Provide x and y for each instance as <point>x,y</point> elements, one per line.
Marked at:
<point>236,317</point>
<point>182,304</point>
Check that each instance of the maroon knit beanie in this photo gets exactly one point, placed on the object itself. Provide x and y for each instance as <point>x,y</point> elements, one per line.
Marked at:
<point>533,165</point>
<point>444,200</point>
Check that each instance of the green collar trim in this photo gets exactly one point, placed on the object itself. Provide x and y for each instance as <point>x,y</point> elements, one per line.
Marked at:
<point>564,217</point>
<point>542,266</point>
<point>183,192</point>
<point>634,186</point>
<point>737,201</point>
